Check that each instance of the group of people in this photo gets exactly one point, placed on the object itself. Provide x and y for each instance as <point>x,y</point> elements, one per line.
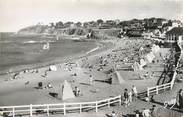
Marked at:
<point>76,91</point>
<point>152,112</point>
<point>129,96</point>
<point>146,112</point>
<point>179,99</point>
<point>117,57</point>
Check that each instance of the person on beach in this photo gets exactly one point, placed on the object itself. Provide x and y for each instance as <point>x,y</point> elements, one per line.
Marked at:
<point>45,73</point>
<point>152,75</point>
<point>146,75</point>
<point>113,114</point>
<point>130,97</point>
<point>154,111</point>
<point>137,113</point>
<point>91,79</point>
<point>146,112</point>
<point>126,97</point>
<point>49,85</point>
<point>180,99</point>
<point>134,91</point>
<point>76,91</point>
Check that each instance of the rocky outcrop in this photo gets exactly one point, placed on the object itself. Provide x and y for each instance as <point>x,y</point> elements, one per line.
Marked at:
<point>74,31</point>
<point>36,29</point>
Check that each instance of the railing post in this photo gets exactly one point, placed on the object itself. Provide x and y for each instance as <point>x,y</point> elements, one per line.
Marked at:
<point>30,110</point>
<point>120,100</point>
<point>96,108</point>
<point>171,85</point>
<point>13,111</point>
<point>156,89</point>
<point>47,110</point>
<point>80,108</point>
<point>148,92</point>
<point>64,109</point>
<point>164,87</point>
<point>108,101</point>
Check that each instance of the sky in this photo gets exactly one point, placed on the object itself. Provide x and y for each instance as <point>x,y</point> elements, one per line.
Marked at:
<point>16,14</point>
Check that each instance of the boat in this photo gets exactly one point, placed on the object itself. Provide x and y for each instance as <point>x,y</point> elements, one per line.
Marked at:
<point>46,46</point>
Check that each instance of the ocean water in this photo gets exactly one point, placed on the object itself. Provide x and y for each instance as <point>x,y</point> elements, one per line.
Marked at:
<point>21,51</point>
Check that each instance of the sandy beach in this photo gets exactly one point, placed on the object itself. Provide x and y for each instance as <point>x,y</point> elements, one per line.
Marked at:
<point>33,77</point>
<point>23,90</point>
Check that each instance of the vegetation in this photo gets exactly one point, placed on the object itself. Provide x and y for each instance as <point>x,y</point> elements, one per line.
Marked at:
<point>134,27</point>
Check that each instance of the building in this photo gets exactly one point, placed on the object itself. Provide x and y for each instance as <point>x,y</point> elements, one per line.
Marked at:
<point>174,34</point>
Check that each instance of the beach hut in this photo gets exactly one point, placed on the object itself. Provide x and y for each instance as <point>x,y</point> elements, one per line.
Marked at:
<point>67,91</point>
<point>149,57</point>
<point>142,62</point>
<point>53,68</point>
<point>117,79</point>
<point>136,66</point>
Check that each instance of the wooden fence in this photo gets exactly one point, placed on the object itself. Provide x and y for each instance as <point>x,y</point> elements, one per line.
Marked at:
<point>61,108</point>
<point>159,88</point>
<point>168,86</point>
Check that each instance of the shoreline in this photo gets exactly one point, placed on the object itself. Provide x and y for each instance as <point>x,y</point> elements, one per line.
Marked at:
<point>56,78</point>
<point>100,46</point>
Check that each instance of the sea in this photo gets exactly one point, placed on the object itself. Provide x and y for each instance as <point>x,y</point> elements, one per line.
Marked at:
<point>26,51</point>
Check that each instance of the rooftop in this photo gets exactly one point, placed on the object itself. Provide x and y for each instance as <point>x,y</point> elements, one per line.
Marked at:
<point>176,30</point>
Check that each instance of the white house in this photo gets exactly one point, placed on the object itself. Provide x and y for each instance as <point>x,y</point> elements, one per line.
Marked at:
<point>174,34</point>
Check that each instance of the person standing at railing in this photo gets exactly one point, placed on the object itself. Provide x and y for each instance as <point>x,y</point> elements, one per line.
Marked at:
<point>126,97</point>
<point>180,99</point>
<point>134,92</point>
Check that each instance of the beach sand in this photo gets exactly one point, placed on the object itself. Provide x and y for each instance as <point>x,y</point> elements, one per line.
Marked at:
<point>17,92</point>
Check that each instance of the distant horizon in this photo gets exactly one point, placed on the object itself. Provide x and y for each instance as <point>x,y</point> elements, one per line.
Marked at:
<point>18,14</point>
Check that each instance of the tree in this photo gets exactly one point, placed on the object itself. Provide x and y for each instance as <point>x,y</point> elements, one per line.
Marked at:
<point>52,24</point>
<point>68,24</point>
<point>78,24</point>
<point>100,21</point>
<point>59,24</point>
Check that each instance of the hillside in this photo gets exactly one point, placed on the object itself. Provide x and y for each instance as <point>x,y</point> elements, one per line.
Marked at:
<point>36,29</point>
<point>71,31</point>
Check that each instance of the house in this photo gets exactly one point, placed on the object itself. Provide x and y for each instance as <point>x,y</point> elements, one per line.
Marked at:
<point>176,23</point>
<point>174,34</point>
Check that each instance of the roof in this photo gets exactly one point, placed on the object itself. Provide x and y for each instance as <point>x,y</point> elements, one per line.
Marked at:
<point>176,30</point>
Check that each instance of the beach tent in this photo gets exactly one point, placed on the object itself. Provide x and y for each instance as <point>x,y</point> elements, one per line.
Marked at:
<point>117,79</point>
<point>53,68</point>
<point>142,62</point>
<point>136,66</point>
<point>149,57</point>
<point>155,48</point>
<point>67,91</point>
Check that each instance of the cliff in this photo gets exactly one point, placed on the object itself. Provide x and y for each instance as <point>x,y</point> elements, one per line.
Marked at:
<point>71,31</point>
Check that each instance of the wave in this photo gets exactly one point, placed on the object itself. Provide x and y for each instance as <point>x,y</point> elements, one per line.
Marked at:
<point>92,50</point>
<point>31,42</point>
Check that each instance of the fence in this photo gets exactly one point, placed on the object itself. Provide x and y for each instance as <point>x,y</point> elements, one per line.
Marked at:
<point>62,108</point>
<point>167,86</point>
<point>159,88</point>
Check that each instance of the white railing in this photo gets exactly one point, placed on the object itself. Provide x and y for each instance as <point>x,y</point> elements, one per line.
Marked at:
<point>61,108</point>
<point>167,86</point>
<point>158,88</point>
